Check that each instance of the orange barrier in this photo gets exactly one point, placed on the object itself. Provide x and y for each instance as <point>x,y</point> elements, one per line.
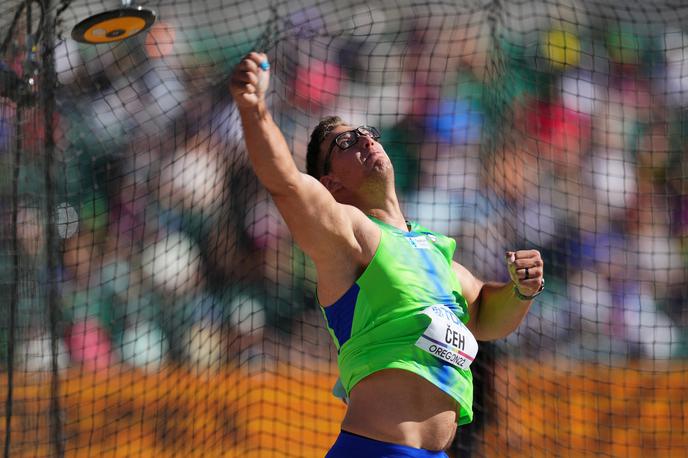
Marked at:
<point>582,410</point>
<point>537,410</point>
<point>126,413</point>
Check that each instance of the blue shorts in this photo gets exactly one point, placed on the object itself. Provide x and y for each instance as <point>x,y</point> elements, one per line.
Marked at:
<point>350,445</point>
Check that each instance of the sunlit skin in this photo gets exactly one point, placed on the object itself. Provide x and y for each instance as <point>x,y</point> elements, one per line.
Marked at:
<point>328,219</point>
<point>412,411</point>
<point>362,176</point>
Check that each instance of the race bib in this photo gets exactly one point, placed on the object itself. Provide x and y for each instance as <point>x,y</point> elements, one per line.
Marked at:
<point>447,338</point>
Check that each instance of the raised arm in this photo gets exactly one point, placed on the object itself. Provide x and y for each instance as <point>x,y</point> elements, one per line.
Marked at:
<point>496,309</point>
<point>320,226</point>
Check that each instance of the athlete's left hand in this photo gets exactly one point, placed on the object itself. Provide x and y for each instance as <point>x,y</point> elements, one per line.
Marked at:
<point>526,270</point>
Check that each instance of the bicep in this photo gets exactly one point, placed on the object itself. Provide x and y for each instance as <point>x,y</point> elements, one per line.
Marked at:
<point>318,223</point>
<point>470,289</point>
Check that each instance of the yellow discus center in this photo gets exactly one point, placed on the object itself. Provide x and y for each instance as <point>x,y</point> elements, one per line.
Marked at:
<point>114,29</point>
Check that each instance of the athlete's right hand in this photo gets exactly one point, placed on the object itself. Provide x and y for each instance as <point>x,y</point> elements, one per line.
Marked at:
<point>250,80</point>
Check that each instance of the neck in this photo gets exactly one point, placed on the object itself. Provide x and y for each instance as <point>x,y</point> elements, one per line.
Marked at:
<point>388,212</point>
<point>379,201</point>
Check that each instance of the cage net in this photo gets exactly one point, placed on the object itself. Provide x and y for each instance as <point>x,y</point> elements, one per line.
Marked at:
<point>154,303</point>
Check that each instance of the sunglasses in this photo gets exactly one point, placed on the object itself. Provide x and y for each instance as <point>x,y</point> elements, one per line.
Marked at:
<point>346,140</point>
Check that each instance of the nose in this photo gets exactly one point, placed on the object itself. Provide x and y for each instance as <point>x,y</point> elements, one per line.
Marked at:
<point>368,141</point>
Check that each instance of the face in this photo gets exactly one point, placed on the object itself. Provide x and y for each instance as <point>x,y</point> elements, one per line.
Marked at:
<point>354,155</point>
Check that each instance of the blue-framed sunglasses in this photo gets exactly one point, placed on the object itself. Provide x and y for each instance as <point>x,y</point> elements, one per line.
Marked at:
<point>347,139</point>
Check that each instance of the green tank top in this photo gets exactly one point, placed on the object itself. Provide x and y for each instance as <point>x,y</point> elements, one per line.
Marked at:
<point>376,323</point>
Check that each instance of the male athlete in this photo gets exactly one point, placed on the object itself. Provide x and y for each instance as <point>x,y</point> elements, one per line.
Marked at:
<point>403,315</point>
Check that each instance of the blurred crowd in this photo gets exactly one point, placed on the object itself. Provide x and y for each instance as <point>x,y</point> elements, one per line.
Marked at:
<point>166,250</point>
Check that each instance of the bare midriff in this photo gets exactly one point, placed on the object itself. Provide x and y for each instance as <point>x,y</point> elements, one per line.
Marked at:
<point>401,407</point>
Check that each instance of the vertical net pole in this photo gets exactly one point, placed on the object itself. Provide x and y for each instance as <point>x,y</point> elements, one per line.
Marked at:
<point>48,79</point>
<point>14,282</point>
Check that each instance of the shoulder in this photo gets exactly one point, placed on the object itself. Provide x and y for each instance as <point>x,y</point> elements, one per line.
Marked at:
<point>338,270</point>
<point>366,232</point>
<point>352,251</point>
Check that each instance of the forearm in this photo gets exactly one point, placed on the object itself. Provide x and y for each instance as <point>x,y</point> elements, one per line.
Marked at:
<point>499,311</point>
<point>268,150</point>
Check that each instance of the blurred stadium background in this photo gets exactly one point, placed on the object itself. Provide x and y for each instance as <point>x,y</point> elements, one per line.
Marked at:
<point>154,305</point>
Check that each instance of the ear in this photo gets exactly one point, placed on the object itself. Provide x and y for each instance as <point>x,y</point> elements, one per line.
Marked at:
<point>331,182</point>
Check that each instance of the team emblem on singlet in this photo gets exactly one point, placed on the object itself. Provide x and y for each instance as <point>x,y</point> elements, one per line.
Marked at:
<point>420,241</point>
<point>447,338</point>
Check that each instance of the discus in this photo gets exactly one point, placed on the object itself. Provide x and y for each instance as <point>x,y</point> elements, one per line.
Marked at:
<point>113,26</point>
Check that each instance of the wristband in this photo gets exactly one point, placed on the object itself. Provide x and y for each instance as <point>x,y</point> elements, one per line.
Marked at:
<point>523,297</point>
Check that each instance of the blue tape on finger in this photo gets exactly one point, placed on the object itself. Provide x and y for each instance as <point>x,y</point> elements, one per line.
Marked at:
<point>265,65</point>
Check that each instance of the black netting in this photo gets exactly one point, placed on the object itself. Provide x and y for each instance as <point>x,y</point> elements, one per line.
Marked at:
<point>154,304</point>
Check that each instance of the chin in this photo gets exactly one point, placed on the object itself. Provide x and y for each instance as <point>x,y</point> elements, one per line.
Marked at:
<point>384,169</point>
<point>380,176</point>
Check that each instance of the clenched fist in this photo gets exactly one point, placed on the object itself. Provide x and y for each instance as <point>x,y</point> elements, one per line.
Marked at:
<point>250,80</point>
<point>526,270</point>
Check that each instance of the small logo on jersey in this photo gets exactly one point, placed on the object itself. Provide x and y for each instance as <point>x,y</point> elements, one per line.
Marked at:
<point>419,242</point>
<point>432,238</point>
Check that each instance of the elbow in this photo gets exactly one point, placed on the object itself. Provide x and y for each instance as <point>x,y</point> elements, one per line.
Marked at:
<point>491,333</point>
<point>483,336</point>
<point>489,336</point>
<point>480,334</point>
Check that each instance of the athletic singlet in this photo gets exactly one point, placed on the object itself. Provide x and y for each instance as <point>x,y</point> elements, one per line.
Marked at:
<point>376,324</point>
